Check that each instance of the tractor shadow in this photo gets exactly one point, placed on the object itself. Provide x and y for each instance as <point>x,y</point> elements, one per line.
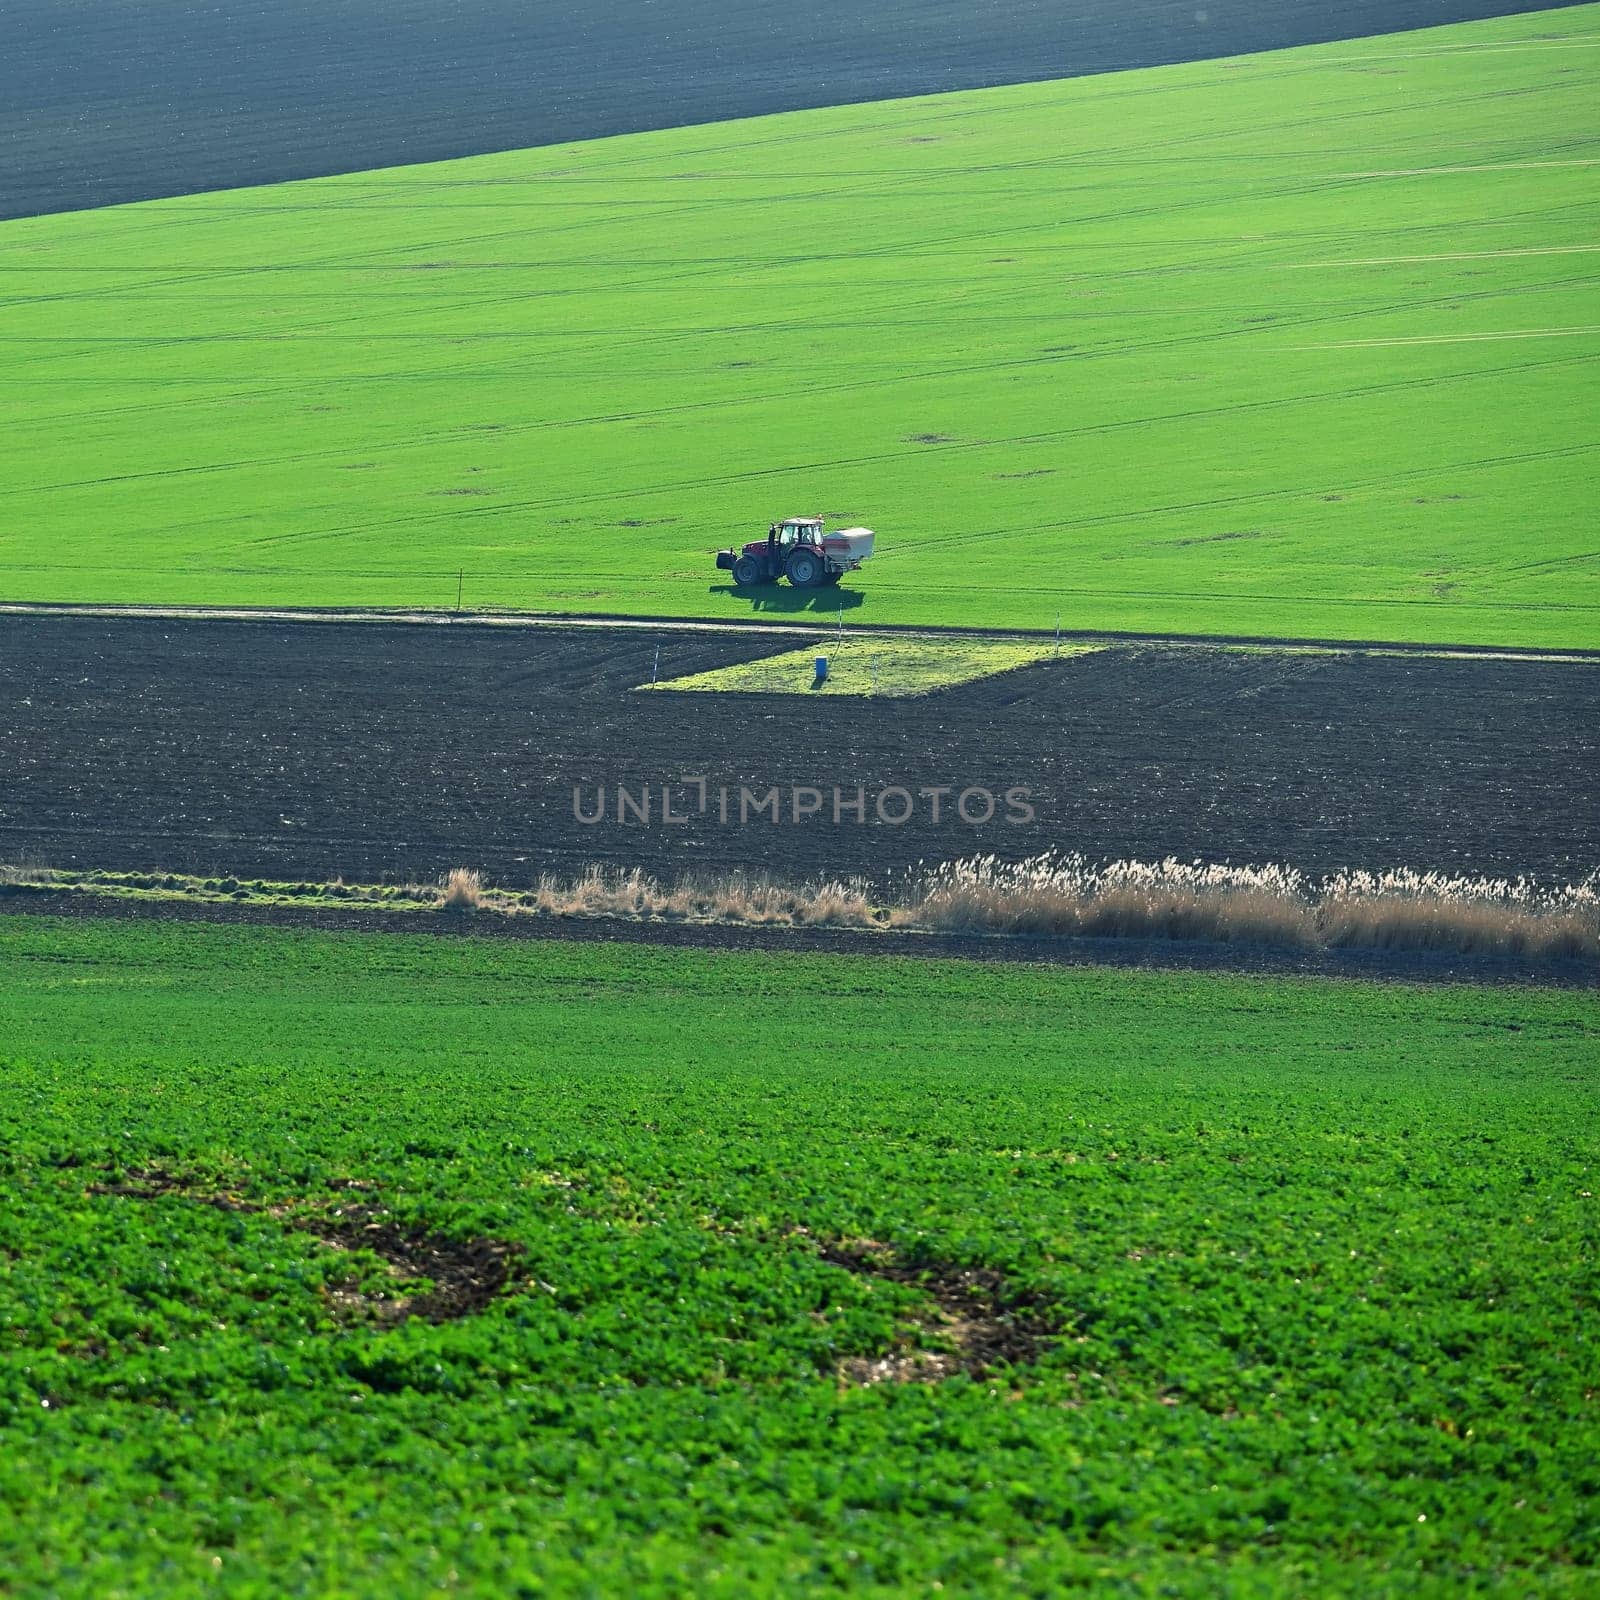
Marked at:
<point>781,599</point>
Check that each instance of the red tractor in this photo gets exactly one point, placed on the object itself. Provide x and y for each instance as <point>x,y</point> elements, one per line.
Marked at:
<point>799,550</point>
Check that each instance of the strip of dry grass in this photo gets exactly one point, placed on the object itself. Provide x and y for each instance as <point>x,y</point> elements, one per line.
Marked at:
<point>462,890</point>
<point>1396,910</point>
<point>1045,897</point>
<point>734,897</point>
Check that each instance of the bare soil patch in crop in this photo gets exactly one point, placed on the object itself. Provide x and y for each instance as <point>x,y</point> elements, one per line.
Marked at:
<point>388,752</point>
<point>464,1275</point>
<point>975,1319</point>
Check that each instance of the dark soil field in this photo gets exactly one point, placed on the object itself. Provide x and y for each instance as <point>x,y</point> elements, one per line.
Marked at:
<point>133,99</point>
<point>375,750</point>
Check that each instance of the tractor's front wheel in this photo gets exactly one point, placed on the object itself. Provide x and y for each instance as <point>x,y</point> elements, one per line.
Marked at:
<point>805,570</point>
<point>746,571</point>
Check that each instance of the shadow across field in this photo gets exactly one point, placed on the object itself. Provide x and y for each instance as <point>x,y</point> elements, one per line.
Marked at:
<point>105,104</point>
<point>780,600</point>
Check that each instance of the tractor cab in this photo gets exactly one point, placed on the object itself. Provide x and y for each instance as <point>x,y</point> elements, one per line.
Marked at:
<point>793,531</point>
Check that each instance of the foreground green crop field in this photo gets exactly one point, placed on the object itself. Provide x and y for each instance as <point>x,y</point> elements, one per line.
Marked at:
<point>1320,1259</point>
<point>1300,343</point>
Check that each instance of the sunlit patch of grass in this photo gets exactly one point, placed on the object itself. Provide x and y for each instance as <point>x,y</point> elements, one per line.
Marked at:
<point>879,665</point>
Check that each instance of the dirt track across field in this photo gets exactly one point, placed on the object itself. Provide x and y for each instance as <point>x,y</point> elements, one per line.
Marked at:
<point>380,750</point>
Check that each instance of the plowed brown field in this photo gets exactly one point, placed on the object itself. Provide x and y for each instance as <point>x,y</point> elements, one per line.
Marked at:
<point>377,750</point>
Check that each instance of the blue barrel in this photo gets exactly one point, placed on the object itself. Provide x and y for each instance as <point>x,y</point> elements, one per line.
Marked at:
<point>822,669</point>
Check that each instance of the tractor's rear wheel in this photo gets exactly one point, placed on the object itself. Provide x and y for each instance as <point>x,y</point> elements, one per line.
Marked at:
<point>746,571</point>
<point>805,570</point>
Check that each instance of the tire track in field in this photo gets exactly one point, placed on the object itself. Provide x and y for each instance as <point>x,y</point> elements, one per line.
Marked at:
<point>910,178</point>
<point>1364,310</point>
<point>1451,255</point>
<point>442,517</point>
<point>1042,436</point>
<point>613,492</point>
<point>478,302</point>
<point>447,374</point>
<point>1102,519</point>
<point>748,260</point>
<point>1556,561</point>
<point>1453,338</point>
<point>1176,268</point>
<point>537,575</point>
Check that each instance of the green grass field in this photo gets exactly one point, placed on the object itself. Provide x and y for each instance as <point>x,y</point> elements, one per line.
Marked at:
<point>1300,343</point>
<point>1320,1258</point>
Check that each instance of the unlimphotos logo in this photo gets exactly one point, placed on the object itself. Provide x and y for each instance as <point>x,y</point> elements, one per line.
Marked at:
<point>738,805</point>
